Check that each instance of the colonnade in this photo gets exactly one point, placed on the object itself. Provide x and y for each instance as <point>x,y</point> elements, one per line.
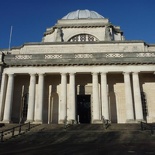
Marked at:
<point>100,103</point>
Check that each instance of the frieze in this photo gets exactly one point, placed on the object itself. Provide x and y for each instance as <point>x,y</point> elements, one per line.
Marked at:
<point>145,55</point>
<point>83,55</point>
<point>55,56</point>
<point>23,57</point>
<point>114,55</point>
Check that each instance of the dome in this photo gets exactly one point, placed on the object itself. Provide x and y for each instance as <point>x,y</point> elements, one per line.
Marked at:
<point>82,14</point>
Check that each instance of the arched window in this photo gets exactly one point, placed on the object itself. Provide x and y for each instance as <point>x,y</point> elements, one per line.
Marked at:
<point>83,38</point>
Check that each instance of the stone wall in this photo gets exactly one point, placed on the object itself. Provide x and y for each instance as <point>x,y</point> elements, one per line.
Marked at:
<point>83,48</point>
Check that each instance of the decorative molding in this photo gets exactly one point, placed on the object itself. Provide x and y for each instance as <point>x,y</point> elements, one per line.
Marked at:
<point>23,57</point>
<point>145,55</point>
<point>83,38</point>
<point>55,56</point>
<point>116,55</point>
<point>83,56</point>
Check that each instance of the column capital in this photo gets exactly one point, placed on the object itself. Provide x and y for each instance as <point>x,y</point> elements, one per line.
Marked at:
<point>32,74</point>
<point>3,74</point>
<point>95,73</point>
<point>11,74</point>
<point>63,73</point>
<point>41,74</point>
<point>103,73</point>
<point>72,73</point>
<point>136,73</point>
<point>126,73</point>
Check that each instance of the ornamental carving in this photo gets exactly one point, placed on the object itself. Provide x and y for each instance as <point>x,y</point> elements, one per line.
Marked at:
<point>55,56</point>
<point>83,56</point>
<point>83,38</point>
<point>145,55</point>
<point>23,57</point>
<point>116,55</point>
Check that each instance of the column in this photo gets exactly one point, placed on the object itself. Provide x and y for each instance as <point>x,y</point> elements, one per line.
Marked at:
<point>137,97</point>
<point>128,97</point>
<point>72,111</point>
<point>39,106</point>
<point>63,99</point>
<point>9,99</point>
<point>96,104</point>
<point>31,100</point>
<point>3,95</point>
<point>104,96</point>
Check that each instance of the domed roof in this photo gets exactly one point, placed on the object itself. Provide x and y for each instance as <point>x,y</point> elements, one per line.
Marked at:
<point>82,14</point>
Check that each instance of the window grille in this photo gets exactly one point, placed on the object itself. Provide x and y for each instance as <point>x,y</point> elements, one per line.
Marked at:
<point>83,38</point>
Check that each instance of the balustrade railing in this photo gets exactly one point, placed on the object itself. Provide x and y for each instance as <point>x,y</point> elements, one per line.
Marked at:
<point>147,126</point>
<point>14,131</point>
<point>106,123</point>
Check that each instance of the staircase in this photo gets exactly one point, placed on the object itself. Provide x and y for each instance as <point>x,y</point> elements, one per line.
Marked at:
<point>81,139</point>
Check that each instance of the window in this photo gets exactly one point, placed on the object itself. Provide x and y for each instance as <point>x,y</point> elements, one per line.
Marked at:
<point>83,38</point>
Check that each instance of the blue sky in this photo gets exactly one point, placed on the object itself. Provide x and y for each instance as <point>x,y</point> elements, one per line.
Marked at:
<point>30,18</point>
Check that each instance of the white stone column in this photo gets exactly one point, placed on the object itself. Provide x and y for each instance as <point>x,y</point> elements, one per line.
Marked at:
<point>72,105</point>
<point>39,106</point>
<point>104,96</point>
<point>9,99</point>
<point>63,98</point>
<point>31,99</point>
<point>128,97</point>
<point>96,103</point>
<point>137,97</point>
<point>3,95</point>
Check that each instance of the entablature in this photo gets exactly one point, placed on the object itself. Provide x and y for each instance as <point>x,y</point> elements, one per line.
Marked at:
<point>110,58</point>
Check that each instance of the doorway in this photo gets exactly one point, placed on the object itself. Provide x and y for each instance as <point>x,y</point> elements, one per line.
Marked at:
<point>83,108</point>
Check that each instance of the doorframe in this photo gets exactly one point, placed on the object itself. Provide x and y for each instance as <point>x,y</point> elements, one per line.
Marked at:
<point>90,98</point>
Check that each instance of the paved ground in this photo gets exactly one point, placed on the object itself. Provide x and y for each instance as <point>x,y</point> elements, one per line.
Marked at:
<point>82,142</point>
<point>81,149</point>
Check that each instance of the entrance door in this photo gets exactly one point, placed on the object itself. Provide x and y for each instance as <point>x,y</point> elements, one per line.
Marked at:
<point>83,108</point>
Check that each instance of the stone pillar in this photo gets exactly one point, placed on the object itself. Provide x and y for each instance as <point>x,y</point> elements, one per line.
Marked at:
<point>31,100</point>
<point>96,104</point>
<point>63,99</point>
<point>39,106</point>
<point>72,105</point>
<point>9,99</point>
<point>137,97</point>
<point>104,96</point>
<point>128,97</point>
<point>3,95</point>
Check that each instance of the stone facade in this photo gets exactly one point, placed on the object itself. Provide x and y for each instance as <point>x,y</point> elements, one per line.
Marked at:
<point>82,70</point>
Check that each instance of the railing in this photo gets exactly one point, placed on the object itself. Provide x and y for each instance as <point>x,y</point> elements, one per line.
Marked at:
<point>68,123</point>
<point>146,126</point>
<point>65,122</point>
<point>106,123</point>
<point>14,131</point>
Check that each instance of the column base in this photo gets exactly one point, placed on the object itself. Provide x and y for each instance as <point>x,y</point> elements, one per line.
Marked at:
<point>71,121</point>
<point>96,122</point>
<point>27,121</point>
<point>131,121</point>
<point>139,120</point>
<point>37,122</point>
<point>62,121</point>
<point>150,119</point>
<point>6,121</point>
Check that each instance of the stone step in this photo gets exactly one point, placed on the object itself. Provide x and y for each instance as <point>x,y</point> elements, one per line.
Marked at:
<point>120,127</point>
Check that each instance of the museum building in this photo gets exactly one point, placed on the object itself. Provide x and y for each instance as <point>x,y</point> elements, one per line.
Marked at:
<point>81,71</point>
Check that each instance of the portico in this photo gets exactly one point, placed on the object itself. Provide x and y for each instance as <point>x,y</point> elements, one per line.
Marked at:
<point>97,85</point>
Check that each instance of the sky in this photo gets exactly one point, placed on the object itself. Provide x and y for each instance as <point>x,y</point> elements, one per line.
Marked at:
<point>29,19</point>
